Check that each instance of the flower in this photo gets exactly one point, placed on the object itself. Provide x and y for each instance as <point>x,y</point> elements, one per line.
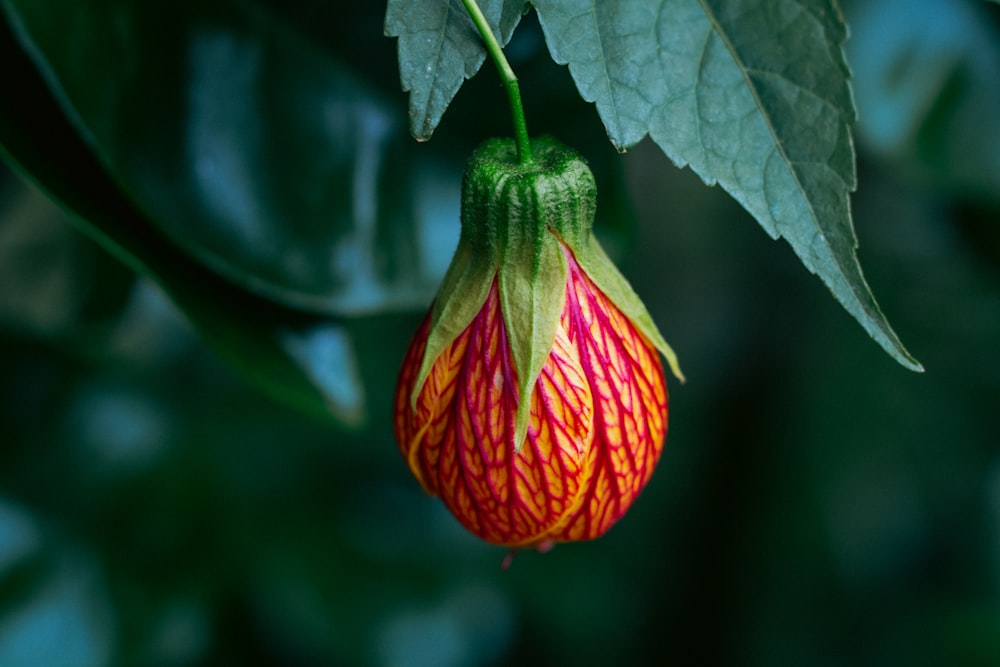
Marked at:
<point>532,307</point>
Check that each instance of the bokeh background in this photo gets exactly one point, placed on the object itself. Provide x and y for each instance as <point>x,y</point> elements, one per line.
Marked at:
<point>168,499</point>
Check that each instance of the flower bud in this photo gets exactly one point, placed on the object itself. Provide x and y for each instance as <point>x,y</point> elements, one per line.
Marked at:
<point>532,307</point>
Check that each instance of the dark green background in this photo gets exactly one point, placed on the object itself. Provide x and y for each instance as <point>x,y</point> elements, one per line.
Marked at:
<point>816,503</point>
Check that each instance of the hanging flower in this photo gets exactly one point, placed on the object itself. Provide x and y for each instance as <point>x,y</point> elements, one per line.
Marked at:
<point>532,307</point>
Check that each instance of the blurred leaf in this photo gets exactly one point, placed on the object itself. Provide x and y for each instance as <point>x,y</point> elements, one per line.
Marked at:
<point>68,616</point>
<point>928,92</point>
<point>272,344</point>
<point>54,605</point>
<point>54,283</point>
<point>20,538</point>
<point>247,145</point>
<point>439,48</point>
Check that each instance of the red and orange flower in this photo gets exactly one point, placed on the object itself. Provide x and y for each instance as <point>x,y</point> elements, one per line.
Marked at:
<point>531,306</point>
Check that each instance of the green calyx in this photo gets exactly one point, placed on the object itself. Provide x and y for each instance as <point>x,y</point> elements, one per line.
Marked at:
<point>515,219</point>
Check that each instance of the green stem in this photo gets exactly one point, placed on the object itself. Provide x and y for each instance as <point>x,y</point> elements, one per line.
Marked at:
<point>521,139</point>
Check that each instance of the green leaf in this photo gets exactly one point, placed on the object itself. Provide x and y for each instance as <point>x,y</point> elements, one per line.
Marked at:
<point>252,148</point>
<point>439,49</point>
<point>752,95</point>
<point>301,358</point>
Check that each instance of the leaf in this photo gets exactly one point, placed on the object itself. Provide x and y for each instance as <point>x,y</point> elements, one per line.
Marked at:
<point>752,95</point>
<point>439,49</point>
<point>301,358</point>
<point>246,144</point>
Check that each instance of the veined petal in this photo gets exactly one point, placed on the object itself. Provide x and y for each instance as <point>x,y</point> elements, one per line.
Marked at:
<point>426,422</point>
<point>460,440</point>
<point>630,403</point>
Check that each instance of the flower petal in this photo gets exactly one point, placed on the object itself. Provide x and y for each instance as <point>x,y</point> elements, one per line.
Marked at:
<point>460,441</point>
<point>630,403</point>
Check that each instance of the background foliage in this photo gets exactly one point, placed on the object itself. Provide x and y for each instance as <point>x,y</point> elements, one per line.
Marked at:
<point>248,176</point>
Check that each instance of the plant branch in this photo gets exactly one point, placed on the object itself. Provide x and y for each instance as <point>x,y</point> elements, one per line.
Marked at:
<point>521,139</point>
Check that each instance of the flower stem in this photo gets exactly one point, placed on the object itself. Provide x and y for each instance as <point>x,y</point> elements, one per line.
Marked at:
<point>521,139</point>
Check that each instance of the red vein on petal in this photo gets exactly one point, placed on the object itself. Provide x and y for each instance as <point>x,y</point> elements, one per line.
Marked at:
<point>460,438</point>
<point>618,360</point>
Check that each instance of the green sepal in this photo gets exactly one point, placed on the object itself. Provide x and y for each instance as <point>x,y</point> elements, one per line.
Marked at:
<point>463,292</point>
<point>532,297</point>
